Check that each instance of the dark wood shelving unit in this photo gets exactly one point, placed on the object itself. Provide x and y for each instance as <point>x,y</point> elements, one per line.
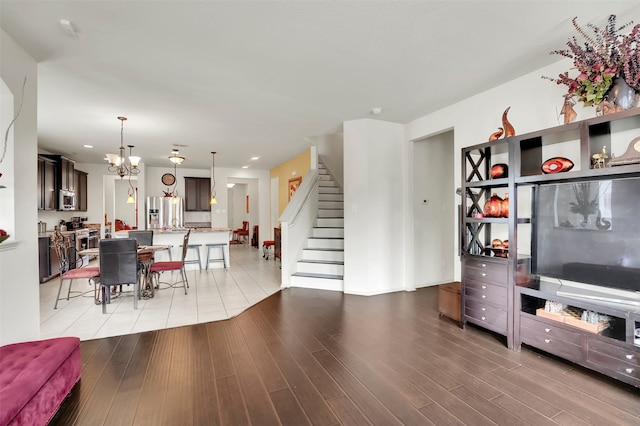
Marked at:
<point>502,294</point>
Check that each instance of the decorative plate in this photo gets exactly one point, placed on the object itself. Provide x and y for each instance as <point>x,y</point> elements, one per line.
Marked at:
<point>557,165</point>
<point>168,179</point>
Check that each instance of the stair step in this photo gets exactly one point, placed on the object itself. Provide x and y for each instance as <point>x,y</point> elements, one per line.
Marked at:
<point>332,196</point>
<point>320,267</point>
<point>329,189</point>
<point>325,243</point>
<point>327,184</point>
<point>331,213</point>
<point>324,176</point>
<point>326,232</point>
<point>330,204</point>
<point>330,222</point>
<point>318,254</point>
<point>316,281</point>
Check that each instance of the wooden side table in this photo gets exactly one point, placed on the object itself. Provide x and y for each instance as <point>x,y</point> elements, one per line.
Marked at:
<point>449,301</point>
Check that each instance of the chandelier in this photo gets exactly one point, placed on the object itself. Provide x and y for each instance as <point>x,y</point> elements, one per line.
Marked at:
<point>117,162</point>
<point>213,199</point>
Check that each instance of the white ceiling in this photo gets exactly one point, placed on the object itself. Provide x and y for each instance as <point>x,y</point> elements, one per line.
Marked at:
<point>254,78</point>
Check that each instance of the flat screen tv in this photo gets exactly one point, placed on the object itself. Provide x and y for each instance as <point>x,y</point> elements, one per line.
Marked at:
<point>588,232</point>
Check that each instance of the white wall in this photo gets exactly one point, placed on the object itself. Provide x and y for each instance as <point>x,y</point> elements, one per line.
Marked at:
<point>373,200</point>
<point>19,285</point>
<point>433,220</point>
<point>534,106</point>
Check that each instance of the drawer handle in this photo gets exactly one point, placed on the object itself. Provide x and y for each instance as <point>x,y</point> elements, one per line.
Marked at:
<point>484,274</point>
<point>547,330</point>
<point>484,296</point>
<point>547,340</point>
<point>629,356</point>
<point>484,318</point>
<point>629,370</point>
<point>484,287</point>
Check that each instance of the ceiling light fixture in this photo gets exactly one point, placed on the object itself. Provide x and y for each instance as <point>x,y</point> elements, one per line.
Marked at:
<point>176,159</point>
<point>117,162</point>
<point>213,199</point>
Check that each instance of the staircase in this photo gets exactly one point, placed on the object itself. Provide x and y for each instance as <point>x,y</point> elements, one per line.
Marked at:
<point>322,263</point>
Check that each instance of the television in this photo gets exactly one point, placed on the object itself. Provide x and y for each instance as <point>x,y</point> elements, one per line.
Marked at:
<point>588,232</point>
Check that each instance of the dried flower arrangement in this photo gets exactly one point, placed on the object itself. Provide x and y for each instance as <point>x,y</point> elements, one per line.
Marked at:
<point>604,55</point>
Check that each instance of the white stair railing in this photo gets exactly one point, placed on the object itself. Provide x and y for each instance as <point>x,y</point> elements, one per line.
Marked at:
<point>296,222</point>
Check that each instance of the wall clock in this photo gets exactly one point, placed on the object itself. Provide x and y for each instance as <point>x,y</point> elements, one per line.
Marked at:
<point>631,156</point>
<point>168,179</point>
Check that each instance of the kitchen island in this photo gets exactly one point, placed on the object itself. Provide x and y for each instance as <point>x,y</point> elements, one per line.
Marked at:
<point>199,236</point>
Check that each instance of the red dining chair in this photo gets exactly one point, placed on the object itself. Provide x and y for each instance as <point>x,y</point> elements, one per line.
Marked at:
<point>177,265</point>
<point>243,232</point>
<point>71,266</point>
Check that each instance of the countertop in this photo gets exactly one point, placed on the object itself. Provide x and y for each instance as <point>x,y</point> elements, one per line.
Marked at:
<point>181,230</point>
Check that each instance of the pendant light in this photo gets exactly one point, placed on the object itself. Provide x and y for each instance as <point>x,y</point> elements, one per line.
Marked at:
<point>176,159</point>
<point>213,199</point>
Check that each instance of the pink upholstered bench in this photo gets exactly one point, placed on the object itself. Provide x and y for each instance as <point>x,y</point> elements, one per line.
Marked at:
<point>35,378</point>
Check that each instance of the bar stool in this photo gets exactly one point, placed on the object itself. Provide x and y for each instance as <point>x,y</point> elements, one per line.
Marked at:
<point>195,247</point>
<point>222,259</point>
<point>266,245</point>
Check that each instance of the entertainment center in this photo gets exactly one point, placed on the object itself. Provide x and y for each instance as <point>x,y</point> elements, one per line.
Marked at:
<point>550,241</point>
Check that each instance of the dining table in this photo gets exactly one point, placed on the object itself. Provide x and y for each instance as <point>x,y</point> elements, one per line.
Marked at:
<point>145,259</point>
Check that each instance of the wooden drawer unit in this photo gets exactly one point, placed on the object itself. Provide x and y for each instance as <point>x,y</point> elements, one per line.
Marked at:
<point>486,315</point>
<point>614,358</point>
<point>552,338</point>
<point>485,271</point>
<point>488,292</point>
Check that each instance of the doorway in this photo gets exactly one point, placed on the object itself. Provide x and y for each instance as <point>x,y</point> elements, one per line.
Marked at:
<point>434,210</point>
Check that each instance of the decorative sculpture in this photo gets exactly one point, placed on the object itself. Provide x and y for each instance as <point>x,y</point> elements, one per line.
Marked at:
<point>496,135</point>
<point>567,109</point>
<point>508,128</point>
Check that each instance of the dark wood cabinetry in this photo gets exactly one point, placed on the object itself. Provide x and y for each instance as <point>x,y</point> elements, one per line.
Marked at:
<point>66,174</point>
<point>197,194</point>
<point>80,179</point>
<point>47,195</point>
<point>502,289</point>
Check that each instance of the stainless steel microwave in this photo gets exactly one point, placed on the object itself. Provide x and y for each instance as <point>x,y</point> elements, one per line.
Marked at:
<point>67,200</point>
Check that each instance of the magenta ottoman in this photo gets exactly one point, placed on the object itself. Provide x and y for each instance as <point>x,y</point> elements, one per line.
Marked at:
<point>35,378</point>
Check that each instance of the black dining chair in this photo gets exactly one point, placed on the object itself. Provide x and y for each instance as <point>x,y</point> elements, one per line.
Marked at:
<point>118,265</point>
<point>144,238</point>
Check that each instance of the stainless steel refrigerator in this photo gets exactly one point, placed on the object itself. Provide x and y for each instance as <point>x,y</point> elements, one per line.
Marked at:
<point>165,212</point>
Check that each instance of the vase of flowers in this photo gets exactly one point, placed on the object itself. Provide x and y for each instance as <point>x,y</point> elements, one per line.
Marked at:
<point>605,56</point>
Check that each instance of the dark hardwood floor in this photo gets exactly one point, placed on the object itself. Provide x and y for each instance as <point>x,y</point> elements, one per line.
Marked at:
<point>324,358</point>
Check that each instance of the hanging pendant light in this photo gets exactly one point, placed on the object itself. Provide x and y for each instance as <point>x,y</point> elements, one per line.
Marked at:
<point>176,159</point>
<point>117,162</point>
<point>213,199</point>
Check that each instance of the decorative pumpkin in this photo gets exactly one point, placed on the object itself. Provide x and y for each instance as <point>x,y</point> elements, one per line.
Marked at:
<point>493,206</point>
<point>504,212</point>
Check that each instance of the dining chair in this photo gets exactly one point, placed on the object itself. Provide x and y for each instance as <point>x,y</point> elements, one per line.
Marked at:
<point>118,265</point>
<point>242,232</point>
<point>157,268</point>
<point>143,237</point>
<point>71,267</point>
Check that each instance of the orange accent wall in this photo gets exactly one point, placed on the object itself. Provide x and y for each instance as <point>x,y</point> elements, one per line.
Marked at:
<point>300,164</point>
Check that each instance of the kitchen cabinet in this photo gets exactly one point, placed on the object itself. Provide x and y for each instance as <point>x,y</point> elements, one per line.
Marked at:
<point>197,194</point>
<point>80,179</point>
<point>66,174</point>
<point>46,193</point>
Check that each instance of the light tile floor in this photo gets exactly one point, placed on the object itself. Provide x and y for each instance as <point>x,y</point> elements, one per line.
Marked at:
<point>213,295</point>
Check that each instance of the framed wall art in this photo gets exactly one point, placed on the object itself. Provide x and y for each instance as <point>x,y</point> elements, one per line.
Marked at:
<point>294,183</point>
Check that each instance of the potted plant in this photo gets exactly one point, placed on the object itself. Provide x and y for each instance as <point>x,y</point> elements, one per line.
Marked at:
<point>605,56</point>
